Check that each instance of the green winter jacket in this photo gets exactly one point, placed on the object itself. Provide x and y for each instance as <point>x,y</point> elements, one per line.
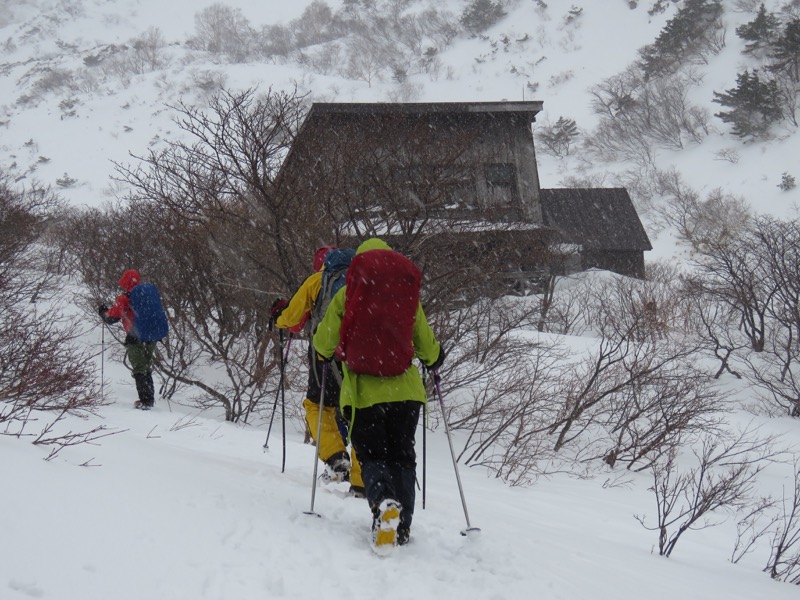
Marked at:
<point>362,391</point>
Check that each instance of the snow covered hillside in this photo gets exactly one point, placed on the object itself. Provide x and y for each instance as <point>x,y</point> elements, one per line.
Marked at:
<point>179,504</point>
<point>183,507</point>
<point>67,109</point>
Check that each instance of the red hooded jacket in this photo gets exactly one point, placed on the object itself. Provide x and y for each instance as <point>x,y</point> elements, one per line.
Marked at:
<point>122,305</point>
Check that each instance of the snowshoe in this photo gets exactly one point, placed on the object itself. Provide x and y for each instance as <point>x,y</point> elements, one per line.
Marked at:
<point>337,469</point>
<point>384,527</point>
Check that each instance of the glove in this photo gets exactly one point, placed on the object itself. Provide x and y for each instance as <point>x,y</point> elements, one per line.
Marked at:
<point>276,309</point>
<point>103,309</point>
<point>434,366</point>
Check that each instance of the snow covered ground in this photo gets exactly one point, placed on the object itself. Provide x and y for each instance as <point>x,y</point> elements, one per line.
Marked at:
<point>185,506</point>
<point>182,506</point>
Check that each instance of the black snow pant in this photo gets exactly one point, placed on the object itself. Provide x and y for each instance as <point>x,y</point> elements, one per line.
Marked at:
<point>383,438</point>
<point>332,387</point>
<point>145,388</point>
<point>141,356</point>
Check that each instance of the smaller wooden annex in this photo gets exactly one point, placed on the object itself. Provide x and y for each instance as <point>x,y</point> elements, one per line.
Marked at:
<point>455,179</point>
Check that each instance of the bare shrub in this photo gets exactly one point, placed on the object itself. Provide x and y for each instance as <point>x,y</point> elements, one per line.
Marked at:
<point>632,383</point>
<point>701,223</point>
<point>636,395</point>
<point>755,521</point>
<point>314,26</point>
<point>637,114</point>
<point>789,91</point>
<point>220,29</point>
<point>147,51</point>
<point>722,479</point>
<point>584,180</point>
<point>53,81</point>
<point>217,243</point>
<point>784,559</point>
<point>504,377</point>
<point>45,377</point>
<point>275,40</point>
<point>86,81</point>
<point>716,326</point>
<point>325,59</point>
<point>729,154</point>
<point>734,276</point>
<point>776,370</point>
<point>746,5</point>
<point>568,309</point>
<point>753,278</point>
<point>405,92</point>
<point>440,27</point>
<point>366,60</point>
<point>209,82</point>
<point>387,35</point>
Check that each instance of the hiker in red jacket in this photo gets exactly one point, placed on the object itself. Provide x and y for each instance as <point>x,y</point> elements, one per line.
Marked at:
<point>140,354</point>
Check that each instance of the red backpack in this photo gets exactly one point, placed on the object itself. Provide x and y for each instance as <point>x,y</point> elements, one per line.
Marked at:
<point>381,299</point>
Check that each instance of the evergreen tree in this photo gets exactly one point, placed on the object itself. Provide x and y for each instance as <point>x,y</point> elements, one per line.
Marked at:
<point>787,51</point>
<point>690,33</point>
<point>761,32</point>
<point>479,15</point>
<point>754,104</point>
<point>558,138</point>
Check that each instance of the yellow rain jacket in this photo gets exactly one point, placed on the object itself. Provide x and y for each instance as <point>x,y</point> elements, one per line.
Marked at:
<point>296,313</point>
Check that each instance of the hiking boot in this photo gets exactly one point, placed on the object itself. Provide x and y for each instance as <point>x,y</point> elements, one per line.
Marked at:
<point>384,527</point>
<point>337,468</point>
<point>357,491</point>
<point>142,405</point>
<point>403,535</point>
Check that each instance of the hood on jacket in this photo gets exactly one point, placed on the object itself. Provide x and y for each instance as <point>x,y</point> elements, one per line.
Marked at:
<point>319,256</point>
<point>129,280</point>
<point>372,244</point>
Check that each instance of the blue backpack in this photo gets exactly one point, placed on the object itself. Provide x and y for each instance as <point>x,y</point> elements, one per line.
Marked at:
<point>150,321</point>
<point>333,277</point>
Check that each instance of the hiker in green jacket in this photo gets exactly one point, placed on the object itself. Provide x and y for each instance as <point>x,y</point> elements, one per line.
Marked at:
<point>376,325</point>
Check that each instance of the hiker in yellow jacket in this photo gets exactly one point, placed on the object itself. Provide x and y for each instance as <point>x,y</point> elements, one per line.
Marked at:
<point>293,315</point>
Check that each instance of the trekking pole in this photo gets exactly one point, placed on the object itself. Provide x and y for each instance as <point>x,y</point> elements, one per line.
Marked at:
<point>424,451</point>
<point>103,363</point>
<point>424,427</point>
<point>283,359</point>
<point>316,446</point>
<point>437,384</point>
<point>282,388</point>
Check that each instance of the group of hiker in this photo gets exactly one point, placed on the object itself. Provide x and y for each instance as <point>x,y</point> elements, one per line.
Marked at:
<point>366,325</point>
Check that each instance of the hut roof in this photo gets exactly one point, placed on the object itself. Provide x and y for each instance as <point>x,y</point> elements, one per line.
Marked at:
<point>421,108</point>
<point>596,218</point>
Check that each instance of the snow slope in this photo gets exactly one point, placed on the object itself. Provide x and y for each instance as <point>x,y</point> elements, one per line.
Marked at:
<point>185,506</point>
<point>180,506</point>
